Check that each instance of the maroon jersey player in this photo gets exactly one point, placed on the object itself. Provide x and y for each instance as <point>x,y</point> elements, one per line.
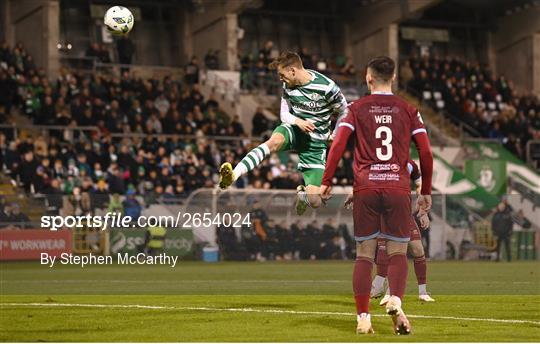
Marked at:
<point>383,126</point>
<point>415,249</point>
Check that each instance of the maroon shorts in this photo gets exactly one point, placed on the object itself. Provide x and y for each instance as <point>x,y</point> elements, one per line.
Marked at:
<point>384,213</point>
<point>415,234</point>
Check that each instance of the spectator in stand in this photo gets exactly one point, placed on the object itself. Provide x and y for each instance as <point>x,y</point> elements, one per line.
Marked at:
<point>246,77</point>
<point>8,90</point>
<point>260,123</point>
<point>236,128</point>
<point>212,103</point>
<point>4,214</point>
<point>307,59</point>
<point>93,51</point>
<point>405,73</point>
<point>260,75</point>
<point>474,95</point>
<point>348,69</point>
<point>191,72</point>
<point>265,53</point>
<point>211,60</point>
<point>27,170</point>
<point>53,193</point>
<point>17,219</point>
<point>131,206</point>
<point>125,49</point>
<point>115,204</point>
<point>103,54</point>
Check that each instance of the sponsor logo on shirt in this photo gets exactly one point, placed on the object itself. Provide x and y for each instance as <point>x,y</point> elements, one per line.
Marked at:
<point>386,177</point>
<point>385,167</point>
<point>310,106</point>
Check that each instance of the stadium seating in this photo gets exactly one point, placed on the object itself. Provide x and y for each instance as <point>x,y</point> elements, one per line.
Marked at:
<point>485,104</point>
<point>101,136</point>
<point>121,114</point>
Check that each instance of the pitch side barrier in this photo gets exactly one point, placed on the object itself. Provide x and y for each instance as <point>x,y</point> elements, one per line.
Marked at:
<point>276,207</point>
<point>207,217</point>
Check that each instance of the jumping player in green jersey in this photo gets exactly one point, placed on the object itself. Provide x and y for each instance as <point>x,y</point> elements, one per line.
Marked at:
<point>308,102</point>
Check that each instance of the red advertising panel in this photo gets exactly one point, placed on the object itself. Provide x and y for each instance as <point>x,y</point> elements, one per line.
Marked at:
<point>29,244</point>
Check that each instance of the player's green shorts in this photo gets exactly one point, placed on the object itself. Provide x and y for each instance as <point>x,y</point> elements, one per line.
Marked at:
<point>311,153</point>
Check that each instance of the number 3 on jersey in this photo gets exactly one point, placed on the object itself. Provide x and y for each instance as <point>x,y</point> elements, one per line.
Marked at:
<point>386,153</point>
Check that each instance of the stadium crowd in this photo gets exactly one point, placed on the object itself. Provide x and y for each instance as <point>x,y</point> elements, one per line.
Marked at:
<point>488,103</point>
<point>255,75</point>
<point>11,215</point>
<point>152,135</point>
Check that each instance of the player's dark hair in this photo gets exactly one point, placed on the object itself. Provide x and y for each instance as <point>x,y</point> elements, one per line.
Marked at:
<point>287,59</point>
<point>382,68</point>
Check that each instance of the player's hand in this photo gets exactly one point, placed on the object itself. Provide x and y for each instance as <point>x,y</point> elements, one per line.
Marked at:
<point>423,204</point>
<point>332,137</point>
<point>326,191</point>
<point>348,202</point>
<point>304,125</point>
<point>424,220</point>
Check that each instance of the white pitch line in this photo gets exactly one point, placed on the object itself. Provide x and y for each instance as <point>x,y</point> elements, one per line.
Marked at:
<point>254,310</point>
<point>329,281</point>
<point>168,281</point>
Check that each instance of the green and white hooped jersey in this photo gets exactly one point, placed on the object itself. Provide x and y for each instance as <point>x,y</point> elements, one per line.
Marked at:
<point>315,101</point>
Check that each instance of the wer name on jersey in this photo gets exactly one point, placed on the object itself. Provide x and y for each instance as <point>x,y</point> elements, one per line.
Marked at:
<point>383,119</point>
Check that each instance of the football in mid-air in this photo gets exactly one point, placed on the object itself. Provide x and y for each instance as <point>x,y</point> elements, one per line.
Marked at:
<point>118,20</point>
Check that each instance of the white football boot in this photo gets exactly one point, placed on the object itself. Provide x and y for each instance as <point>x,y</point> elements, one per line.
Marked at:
<point>363,324</point>
<point>378,287</point>
<point>402,325</point>
<point>426,298</point>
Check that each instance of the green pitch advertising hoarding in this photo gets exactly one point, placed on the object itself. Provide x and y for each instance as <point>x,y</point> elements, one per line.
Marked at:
<point>178,242</point>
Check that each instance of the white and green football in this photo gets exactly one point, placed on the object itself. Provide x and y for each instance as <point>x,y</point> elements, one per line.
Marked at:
<point>118,20</point>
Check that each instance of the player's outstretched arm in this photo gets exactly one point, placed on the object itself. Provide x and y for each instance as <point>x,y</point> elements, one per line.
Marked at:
<point>423,147</point>
<point>336,152</point>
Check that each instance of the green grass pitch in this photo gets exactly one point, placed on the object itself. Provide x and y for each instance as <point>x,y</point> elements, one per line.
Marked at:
<point>268,302</point>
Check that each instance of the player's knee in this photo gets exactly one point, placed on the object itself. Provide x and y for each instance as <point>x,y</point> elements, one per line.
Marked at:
<point>366,248</point>
<point>396,247</point>
<point>416,249</point>
<point>275,142</point>
<point>314,200</point>
<point>313,194</point>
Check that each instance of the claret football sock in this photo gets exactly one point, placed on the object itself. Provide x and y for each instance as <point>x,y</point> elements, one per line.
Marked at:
<point>420,269</point>
<point>397,274</point>
<point>362,283</point>
<point>382,263</point>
